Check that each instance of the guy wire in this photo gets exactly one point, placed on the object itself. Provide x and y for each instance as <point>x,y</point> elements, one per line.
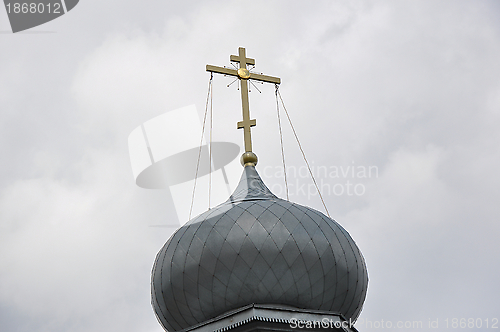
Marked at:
<point>210,146</point>
<point>281,140</point>
<point>201,143</point>
<point>303,154</point>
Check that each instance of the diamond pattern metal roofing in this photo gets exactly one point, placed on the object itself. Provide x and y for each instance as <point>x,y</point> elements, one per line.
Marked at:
<point>256,248</point>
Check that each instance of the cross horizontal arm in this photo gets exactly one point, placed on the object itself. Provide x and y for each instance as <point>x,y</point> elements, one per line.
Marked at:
<point>253,76</point>
<point>221,70</point>
<point>265,78</point>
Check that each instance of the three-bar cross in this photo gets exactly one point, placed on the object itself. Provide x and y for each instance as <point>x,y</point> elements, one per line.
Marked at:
<point>243,74</point>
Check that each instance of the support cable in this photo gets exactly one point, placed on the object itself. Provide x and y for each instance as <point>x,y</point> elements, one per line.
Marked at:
<point>281,140</point>
<point>303,154</point>
<point>210,147</point>
<point>201,143</point>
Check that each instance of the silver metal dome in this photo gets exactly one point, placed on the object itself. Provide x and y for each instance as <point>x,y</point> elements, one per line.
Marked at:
<point>256,248</point>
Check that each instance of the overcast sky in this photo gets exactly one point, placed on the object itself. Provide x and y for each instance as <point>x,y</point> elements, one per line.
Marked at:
<point>408,88</point>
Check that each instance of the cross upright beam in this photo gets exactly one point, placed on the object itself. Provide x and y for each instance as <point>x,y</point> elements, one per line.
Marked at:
<point>243,74</point>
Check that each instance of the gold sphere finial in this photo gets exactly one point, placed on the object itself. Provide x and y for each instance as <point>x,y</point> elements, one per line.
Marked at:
<point>243,73</point>
<point>248,159</point>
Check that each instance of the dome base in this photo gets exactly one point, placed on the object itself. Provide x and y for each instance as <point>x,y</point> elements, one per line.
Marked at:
<point>255,317</point>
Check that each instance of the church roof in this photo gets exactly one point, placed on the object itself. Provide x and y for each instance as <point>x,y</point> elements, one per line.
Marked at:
<point>250,188</point>
<point>256,248</point>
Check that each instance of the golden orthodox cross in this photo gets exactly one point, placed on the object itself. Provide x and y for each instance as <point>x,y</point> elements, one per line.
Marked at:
<point>243,74</point>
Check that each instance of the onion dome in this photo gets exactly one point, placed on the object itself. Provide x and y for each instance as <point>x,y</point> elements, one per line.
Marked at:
<point>256,249</point>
